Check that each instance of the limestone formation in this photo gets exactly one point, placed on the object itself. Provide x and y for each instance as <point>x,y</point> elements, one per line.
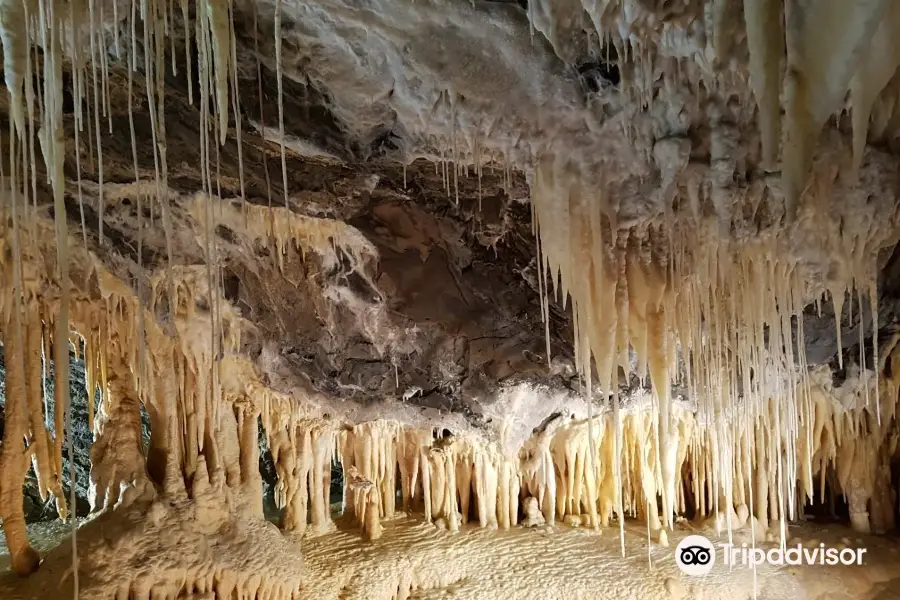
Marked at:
<point>548,263</point>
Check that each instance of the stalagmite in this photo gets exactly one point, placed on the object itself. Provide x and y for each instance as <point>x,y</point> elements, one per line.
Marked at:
<point>366,502</point>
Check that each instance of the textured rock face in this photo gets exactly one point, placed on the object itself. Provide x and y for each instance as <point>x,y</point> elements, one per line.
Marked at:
<point>449,313</point>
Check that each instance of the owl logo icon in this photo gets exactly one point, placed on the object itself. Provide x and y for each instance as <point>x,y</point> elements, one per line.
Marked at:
<point>695,555</point>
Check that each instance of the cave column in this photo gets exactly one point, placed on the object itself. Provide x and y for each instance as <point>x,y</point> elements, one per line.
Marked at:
<point>859,489</point>
<point>251,480</point>
<point>372,526</point>
<point>117,456</point>
<point>464,485</point>
<point>157,453</point>
<point>322,444</point>
<point>883,496</point>
<point>295,476</point>
<point>762,480</point>
<point>14,458</point>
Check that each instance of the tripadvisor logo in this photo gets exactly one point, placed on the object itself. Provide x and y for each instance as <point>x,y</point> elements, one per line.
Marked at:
<point>793,555</point>
<point>696,555</point>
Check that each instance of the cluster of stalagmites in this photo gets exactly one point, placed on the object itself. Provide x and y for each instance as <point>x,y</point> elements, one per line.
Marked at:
<point>203,400</point>
<point>729,472</point>
<point>556,477</point>
<point>203,538</point>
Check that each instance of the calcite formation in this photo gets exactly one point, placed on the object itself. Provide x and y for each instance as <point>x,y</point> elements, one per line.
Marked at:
<point>696,192</point>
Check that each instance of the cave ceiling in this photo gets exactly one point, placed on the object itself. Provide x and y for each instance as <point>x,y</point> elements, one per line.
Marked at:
<point>421,126</point>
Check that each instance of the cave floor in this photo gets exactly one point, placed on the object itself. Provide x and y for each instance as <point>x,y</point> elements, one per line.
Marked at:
<point>415,560</point>
<point>568,563</point>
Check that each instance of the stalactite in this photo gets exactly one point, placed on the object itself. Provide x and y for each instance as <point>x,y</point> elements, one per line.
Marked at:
<point>95,97</point>
<point>220,32</point>
<point>14,35</point>
<point>38,435</point>
<point>279,75</point>
<point>765,39</point>
<point>818,75</point>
